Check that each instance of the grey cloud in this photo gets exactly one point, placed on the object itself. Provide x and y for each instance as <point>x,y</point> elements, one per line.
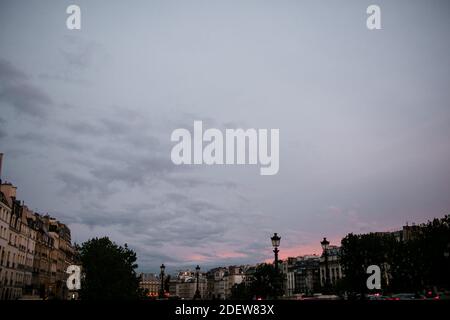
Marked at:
<point>363,118</point>
<point>117,125</point>
<point>74,183</point>
<point>84,128</point>
<point>17,91</point>
<point>81,185</point>
<point>147,156</point>
<point>26,99</point>
<point>191,181</point>
<point>65,77</point>
<point>151,258</point>
<point>81,53</point>
<point>38,139</point>
<point>2,131</point>
<point>191,225</point>
<point>186,221</point>
<point>186,120</point>
<point>134,171</point>
<point>9,73</point>
<point>96,128</point>
<point>114,126</point>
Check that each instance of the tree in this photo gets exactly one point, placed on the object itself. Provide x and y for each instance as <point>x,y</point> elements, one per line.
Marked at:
<point>419,260</point>
<point>265,283</point>
<point>360,251</point>
<point>167,283</point>
<point>241,291</point>
<point>109,271</point>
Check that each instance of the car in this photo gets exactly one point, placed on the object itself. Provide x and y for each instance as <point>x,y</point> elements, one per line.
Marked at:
<point>377,296</point>
<point>431,295</point>
<point>406,296</point>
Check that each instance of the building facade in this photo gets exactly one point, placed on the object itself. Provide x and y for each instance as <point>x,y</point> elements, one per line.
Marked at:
<point>150,283</point>
<point>216,284</point>
<point>35,251</point>
<point>303,276</point>
<point>186,285</point>
<point>234,276</point>
<point>5,270</point>
<point>13,280</point>
<point>334,267</point>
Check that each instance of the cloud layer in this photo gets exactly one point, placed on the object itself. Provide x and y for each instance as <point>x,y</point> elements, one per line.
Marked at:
<point>364,121</point>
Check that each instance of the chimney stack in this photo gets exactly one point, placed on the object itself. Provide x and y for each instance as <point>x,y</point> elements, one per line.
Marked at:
<point>1,160</point>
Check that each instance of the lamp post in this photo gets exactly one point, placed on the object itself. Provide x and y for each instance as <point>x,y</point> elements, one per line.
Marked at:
<point>275,244</point>
<point>197,291</point>
<point>161,290</point>
<point>325,245</point>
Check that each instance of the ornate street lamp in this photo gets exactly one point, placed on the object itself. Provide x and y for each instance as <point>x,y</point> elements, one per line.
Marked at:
<point>275,244</point>
<point>161,290</point>
<point>197,291</point>
<point>325,245</point>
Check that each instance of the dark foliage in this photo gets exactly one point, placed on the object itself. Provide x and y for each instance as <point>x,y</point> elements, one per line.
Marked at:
<point>265,283</point>
<point>410,265</point>
<point>109,271</point>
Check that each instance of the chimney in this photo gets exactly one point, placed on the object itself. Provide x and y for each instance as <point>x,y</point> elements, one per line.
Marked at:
<point>1,159</point>
<point>8,190</point>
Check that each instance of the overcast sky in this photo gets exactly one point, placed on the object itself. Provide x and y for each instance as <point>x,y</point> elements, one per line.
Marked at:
<point>364,118</point>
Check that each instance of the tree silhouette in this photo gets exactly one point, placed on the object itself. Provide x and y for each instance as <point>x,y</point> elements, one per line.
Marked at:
<point>415,263</point>
<point>265,283</point>
<point>109,271</point>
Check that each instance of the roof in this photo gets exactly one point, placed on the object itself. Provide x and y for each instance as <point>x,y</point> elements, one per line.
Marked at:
<point>4,200</point>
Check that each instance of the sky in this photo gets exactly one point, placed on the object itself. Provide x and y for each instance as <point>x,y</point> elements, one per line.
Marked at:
<point>364,118</point>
